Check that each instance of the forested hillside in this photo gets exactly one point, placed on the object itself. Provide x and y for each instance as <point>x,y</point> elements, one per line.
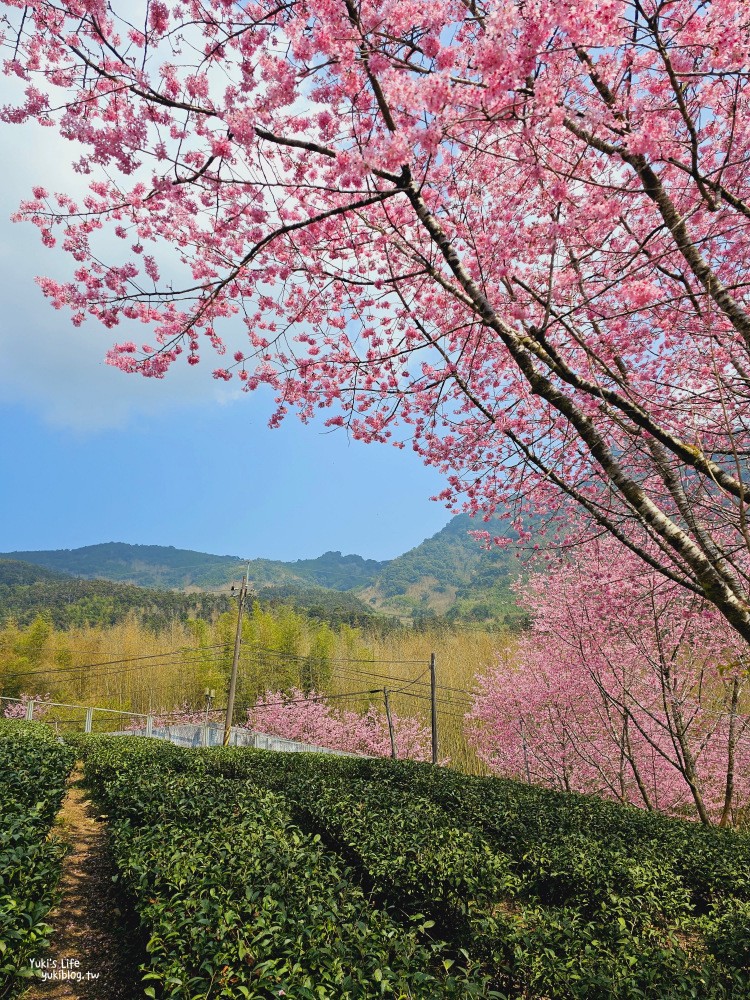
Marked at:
<point>68,601</point>
<point>166,566</point>
<point>448,575</point>
<point>27,590</point>
<point>144,565</point>
<point>451,574</point>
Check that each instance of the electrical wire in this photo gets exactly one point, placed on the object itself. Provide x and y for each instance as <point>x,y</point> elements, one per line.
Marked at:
<point>129,659</point>
<point>354,672</point>
<point>417,680</point>
<point>321,697</point>
<point>334,659</point>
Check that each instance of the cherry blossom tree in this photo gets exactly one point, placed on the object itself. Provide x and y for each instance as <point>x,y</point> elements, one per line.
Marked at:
<point>627,686</point>
<point>16,708</point>
<point>512,235</point>
<point>310,718</point>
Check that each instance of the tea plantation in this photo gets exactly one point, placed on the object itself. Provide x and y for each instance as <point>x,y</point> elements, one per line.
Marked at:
<point>33,770</point>
<point>262,875</point>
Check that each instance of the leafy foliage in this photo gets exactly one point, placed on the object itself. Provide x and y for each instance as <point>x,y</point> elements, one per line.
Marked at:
<point>238,901</point>
<point>33,770</point>
<point>553,894</point>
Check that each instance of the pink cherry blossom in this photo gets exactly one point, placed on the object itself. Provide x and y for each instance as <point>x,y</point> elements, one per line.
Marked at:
<point>311,718</point>
<point>17,709</point>
<point>626,686</point>
<point>511,236</point>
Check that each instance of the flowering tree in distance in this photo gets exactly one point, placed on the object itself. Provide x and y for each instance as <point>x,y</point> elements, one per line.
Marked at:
<point>627,686</point>
<point>310,718</point>
<point>517,231</point>
<point>17,709</point>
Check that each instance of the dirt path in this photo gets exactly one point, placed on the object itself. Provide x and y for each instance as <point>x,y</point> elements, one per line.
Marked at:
<point>95,953</point>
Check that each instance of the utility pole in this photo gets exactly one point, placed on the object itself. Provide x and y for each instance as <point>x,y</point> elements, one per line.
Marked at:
<point>235,663</point>
<point>433,709</point>
<point>390,723</point>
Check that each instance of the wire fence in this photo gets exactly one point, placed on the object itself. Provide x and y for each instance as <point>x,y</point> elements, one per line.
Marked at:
<point>403,692</point>
<point>115,722</point>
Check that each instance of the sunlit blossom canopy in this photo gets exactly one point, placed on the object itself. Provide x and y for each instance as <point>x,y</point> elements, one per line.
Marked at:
<point>512,235</point>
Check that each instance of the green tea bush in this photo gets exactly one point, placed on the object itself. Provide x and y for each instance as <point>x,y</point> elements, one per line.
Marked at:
<point>518,892</point>
<point>239,902</point>
<point>33,770</point>
<point>555,895</point>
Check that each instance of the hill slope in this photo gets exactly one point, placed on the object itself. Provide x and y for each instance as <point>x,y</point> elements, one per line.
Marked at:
<point>166,566</point>
<point>144,565</point>
<point>27,590</point>
<point>449,574</point>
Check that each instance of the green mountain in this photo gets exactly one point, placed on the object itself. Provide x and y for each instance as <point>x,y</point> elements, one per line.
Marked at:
<point>451,575</point>
<point>27,590</point>
<point>166,566</point>
<point>448,575</point>
<point>144,565</point>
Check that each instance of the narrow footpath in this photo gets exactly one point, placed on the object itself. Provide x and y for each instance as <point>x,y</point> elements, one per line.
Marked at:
<point>93,953</point>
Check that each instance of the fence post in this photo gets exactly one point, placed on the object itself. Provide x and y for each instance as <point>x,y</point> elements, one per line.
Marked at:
<point>149,725</point>
<point>89,719</point>
<point>433,709</point>
<point>390,722</point>
<point>30,711</point>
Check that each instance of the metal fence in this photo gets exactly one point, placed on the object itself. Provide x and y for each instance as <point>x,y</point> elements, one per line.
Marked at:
<point>92,719</point>
<point>194,735</point>
<point>66,718</point>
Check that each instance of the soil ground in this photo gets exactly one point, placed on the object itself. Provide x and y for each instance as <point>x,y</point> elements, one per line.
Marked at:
<point>91,936</point>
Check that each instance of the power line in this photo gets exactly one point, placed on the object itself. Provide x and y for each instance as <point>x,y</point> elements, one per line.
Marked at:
<point>353,671</point>
<point>105,674</point>
<point>321,697</point>
<point>417,680</point>
<point>441,701</point>
<point>280,654</point>
<point>100,675</point>
<point>129,659</point>
<point>409,682</point>
<point>213,654</point>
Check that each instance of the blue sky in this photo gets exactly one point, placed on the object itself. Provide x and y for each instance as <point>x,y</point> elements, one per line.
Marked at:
<point>210,477</point>
<point>93,455</point>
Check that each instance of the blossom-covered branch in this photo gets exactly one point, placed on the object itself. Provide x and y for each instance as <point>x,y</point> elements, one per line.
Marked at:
<point>515,236</point>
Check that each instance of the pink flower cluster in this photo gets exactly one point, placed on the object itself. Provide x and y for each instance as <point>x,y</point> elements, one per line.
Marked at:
<point>512,236</point>
<point>310,718</point>
<point>627,686</point>
<point>17,709</point>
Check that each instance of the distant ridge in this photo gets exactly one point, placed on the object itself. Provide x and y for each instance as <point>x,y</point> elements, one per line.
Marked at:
<point>27,590</point>
<point>449,574</point>
<point>143,565</point>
